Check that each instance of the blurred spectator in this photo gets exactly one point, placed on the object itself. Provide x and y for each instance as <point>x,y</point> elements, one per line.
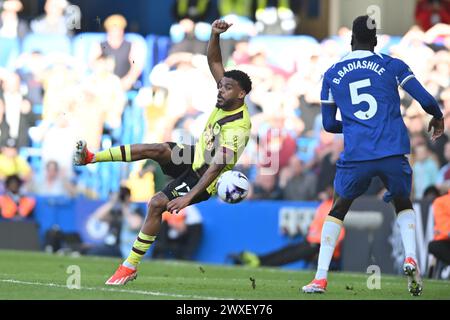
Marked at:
<point>185,30</point>
<point>175,75</point>
<point>443,178</point>
<point>278,146</point>
<point>54,21</point>
<point>195,10</point>
<point>31,68</point>
<point>180,235</point>
<point>4,127</point>
<point>122,218</point>
<point>307,249</point>
<point>440,246</point>
<point>54,182</point>
<point>128,58</point>
<point>61,87</point>
<point>18,112</point>
<point>430,12</point>
<point>11,26</point>
<point>11,163</point>
<point>296,182</point>
<point>57,140</point>
<point>431,193</point>
<point>13,203</point>
<point>425,170</point>
<point>265,187</point>
<point>327,154</point>
<point>102,102</point>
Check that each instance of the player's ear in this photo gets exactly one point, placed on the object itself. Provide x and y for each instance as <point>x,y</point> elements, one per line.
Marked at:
<point>352,41</point>
<point>375,42</point>
<point>242,94</point>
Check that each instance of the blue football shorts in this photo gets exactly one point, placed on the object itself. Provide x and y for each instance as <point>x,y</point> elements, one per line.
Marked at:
<point>353,177</point>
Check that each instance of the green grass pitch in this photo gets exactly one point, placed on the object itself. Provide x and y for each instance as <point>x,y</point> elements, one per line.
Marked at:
<point>25,275</point>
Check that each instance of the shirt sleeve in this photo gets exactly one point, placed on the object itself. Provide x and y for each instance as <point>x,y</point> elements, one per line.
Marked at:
<point>326,97</point>
<point>402,71</point>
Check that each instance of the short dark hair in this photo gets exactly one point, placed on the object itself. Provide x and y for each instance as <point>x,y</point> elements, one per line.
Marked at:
<point>241,77</point>
<point>124,193</point>
<point>13,179</point>
<point>364,29</point>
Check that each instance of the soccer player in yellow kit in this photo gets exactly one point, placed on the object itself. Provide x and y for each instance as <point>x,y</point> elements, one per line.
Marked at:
<point>195,169</point>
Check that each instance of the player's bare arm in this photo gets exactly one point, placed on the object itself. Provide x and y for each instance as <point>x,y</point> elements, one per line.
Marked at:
<point>215,168</point>
<point>214,55</point>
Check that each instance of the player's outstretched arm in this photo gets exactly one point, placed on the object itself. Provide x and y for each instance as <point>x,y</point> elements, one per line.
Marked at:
<point>429,104</point>
<point>214,55</point>
<point>329,121</point>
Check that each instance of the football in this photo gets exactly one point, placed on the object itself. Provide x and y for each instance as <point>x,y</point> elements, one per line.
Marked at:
<point>232,186</point>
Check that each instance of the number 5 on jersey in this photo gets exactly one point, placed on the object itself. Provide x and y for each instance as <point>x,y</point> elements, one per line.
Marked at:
<point>364,97</point>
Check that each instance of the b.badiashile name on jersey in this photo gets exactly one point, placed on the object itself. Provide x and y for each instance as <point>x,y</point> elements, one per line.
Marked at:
<point>355,65</point>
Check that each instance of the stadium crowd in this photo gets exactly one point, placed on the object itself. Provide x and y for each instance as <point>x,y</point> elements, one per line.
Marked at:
<point>47,101</point>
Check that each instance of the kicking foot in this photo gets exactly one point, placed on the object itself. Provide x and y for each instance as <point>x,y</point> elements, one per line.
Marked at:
<point>316,286</point>
<point>122,276</point>
<point>411,270</point>
<point>82,155</point>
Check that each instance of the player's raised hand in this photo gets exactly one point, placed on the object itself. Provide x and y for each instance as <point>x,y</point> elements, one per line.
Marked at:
<point>438,126</point>
<point>220,26</point>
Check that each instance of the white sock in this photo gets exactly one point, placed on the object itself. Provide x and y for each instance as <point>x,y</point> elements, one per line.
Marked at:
<point>406,220</point>
<point>330,233</point>
<point>128,265</point>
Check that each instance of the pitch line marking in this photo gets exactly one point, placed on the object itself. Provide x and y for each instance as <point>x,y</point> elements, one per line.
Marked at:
<point>143,292</point>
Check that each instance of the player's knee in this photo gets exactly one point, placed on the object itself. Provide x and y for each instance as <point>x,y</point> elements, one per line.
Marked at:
<point>158,204</point>
<point>338,215</point>
<point>157,150</point>
<point>340,208</point>
<point>402,203</point>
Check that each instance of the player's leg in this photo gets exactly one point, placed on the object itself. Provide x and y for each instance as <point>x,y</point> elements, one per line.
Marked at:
<point>396,175</point>
<point>352,179</point>
<point>160,152</point>
<point>157,206</point>
<point>330,234</point>
<point>406,220</point>
<point>149,230</point>
<point>152,224</point>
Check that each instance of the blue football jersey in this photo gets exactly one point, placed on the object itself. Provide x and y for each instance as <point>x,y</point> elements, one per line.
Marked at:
<point>364,87</point>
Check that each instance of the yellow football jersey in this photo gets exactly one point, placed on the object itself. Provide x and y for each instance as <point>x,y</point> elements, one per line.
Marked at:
<point>224,129</point>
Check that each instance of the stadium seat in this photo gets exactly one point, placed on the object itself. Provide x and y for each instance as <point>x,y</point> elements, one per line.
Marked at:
<point>10,49</point>
<point>282,50</point>
<point>306,147</point>
<point>150,61</point>
<point>47,44</point>
<point>162,46</point>
<point>133,124</point>
<point>83,42</point>
<point>157,50</point>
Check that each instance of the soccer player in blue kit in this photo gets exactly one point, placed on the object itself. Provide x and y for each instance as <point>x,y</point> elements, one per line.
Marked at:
<point>364,86</point>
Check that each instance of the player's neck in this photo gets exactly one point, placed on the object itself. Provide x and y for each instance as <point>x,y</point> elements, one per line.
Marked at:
<point>363,47</point>
<point>233,107</point>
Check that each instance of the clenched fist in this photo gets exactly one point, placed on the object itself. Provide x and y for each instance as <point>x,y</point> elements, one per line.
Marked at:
<point>220,26</point>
